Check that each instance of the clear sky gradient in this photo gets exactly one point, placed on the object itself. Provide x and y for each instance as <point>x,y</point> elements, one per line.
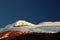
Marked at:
<point>34,11</point>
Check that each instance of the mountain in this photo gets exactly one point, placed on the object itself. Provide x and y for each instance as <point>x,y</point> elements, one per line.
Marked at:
<point>25,26</point>
<point>20,23</point>
<point>21,28</point>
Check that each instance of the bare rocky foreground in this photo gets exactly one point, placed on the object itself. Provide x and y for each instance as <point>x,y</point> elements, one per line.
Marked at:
<point>10,35</point>
<point>15,35</point>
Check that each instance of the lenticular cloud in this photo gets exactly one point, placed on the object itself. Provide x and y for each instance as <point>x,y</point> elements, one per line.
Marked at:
<point>21,25</point>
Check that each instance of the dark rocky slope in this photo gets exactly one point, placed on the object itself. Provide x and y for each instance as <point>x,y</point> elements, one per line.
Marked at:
<point>39,36</point>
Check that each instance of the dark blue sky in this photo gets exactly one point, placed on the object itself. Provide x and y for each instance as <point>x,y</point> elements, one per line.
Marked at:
<point>34,11</point>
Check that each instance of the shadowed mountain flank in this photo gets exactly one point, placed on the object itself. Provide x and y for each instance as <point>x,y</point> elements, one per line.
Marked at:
<point>39,36</point>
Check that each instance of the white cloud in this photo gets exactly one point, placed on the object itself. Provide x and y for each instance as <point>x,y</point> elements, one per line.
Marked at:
<point>49,24</point>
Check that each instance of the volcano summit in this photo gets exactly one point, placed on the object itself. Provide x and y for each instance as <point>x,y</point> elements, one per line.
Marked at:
<point>22,27</point>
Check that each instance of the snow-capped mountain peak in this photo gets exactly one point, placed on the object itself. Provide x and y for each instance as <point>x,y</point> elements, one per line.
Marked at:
<point>20,23</point>
<point>25,26</point>
<point>21,27</point>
